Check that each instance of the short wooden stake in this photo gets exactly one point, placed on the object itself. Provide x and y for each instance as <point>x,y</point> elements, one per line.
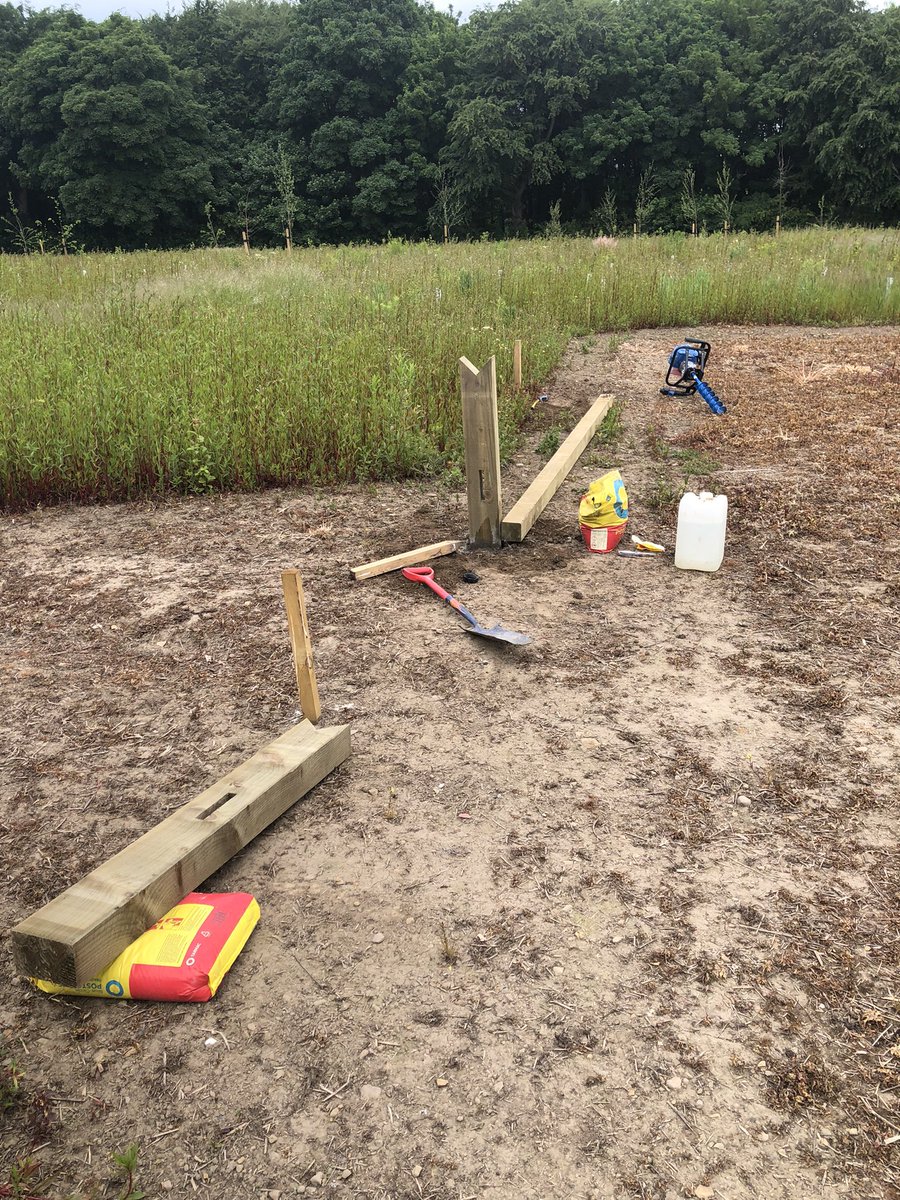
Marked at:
<point>693,228</point>
<point>446,235</point>
<point>301,645</point>
<point>482,437</point>
<point>777,224</point>
<point>288,243</point>
<point>245,237</point>
<point>517,364</point>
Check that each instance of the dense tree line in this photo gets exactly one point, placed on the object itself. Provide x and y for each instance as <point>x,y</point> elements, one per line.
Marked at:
<point>360,119</point>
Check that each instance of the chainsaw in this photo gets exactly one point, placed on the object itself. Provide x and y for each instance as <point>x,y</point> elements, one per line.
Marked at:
<point>685,374</point>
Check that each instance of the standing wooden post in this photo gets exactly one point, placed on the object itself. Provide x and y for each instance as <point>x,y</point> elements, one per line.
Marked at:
<point>245,237</point>
<point>482,436</point>
<point>517,364</point>
<point>777,224</point>
<point>301,645</point>
<point>288,240</point>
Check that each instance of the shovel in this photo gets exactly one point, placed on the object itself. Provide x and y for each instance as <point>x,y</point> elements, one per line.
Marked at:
<point>498,633</point>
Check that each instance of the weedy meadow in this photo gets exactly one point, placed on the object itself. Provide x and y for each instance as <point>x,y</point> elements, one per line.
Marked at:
<point>128,375</point>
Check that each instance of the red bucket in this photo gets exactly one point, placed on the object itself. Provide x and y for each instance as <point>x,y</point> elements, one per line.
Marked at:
<point>604,539</point>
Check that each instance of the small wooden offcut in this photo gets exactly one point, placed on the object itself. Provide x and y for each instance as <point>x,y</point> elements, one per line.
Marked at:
<point>409,558</point>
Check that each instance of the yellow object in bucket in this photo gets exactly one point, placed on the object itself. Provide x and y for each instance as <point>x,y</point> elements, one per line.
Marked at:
<point>603,513</point>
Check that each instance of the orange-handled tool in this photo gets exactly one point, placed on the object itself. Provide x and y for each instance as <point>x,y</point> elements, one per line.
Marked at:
<point>497,633</point>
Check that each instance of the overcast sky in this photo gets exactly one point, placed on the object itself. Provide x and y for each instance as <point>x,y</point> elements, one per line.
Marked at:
<point>97,10</point>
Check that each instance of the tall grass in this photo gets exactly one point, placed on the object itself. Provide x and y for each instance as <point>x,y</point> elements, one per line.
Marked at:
<point>126,375</point>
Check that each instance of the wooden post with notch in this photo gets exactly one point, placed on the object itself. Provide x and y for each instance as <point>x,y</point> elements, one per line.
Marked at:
<point>517,364</point>
<point>301,645</point>
<point>80,932</point>
<point>482,437</point>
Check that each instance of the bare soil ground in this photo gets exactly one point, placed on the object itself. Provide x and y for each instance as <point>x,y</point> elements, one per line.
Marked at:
<point>614,915</point>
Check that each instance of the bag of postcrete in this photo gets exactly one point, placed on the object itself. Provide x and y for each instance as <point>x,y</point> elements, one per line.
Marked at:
<point>184,956</point>
<point>603,513</point>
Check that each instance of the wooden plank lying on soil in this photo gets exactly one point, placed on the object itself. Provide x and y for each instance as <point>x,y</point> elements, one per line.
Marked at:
<point>526,510</point>
<point>78,934</point>
<point>301,645</point>
<point>410,558</point>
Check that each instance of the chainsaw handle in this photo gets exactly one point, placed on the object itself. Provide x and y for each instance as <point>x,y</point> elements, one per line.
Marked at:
<point>426,575</point>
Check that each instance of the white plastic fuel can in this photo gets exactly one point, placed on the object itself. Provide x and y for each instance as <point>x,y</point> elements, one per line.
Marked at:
<point>700,537</point>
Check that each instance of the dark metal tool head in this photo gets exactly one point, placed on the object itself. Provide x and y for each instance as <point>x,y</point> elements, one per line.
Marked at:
<point>499,634</point>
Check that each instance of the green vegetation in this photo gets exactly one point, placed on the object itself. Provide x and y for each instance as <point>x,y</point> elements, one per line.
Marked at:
<point>550,442</point>
<point>611,427</point>
<point>349,121</point>
<point>126,1161</point>
<point>10,1084</point>
<point>129,375</point>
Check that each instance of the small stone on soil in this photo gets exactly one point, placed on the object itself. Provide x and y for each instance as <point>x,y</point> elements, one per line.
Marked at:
<point>369,1091</point>
<point>377,938</point>
<point>673,1083</point>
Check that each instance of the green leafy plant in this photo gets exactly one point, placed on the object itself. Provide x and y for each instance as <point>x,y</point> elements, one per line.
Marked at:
<point>553,228</point>
<point>724,198</point>
<point>611,427</point>
<point>608,214</point>
<point>662,493</point>
<point>10,1084</point>
<point>550,442</point>
<point>126,1161</point>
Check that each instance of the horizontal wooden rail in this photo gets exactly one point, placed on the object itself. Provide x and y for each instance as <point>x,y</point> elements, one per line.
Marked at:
<point>526,510</point>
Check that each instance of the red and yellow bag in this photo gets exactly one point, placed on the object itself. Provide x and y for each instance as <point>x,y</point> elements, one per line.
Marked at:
<point>184,956</point>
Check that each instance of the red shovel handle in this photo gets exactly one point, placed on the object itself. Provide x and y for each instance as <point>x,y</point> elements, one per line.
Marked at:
<point>425,575</point>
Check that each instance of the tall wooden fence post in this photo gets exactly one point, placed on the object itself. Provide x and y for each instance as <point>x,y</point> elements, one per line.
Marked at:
<point>482,436</point>
<point>517,364</point>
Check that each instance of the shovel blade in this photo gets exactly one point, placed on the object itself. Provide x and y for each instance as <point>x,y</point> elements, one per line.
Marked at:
<point>499,634</point>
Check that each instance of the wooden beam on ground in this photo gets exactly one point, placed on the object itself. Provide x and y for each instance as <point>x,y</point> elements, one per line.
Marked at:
<point>410,558</point>
<point>541,491</point>
<point>482,437</point>
<point>301,645</point>
<point>77,935</point>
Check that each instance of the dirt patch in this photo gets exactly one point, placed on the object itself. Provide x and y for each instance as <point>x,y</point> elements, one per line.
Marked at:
<point>636,883</point>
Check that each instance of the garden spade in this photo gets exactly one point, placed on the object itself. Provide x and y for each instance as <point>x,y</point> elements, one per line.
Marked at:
<point>498,633</point>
